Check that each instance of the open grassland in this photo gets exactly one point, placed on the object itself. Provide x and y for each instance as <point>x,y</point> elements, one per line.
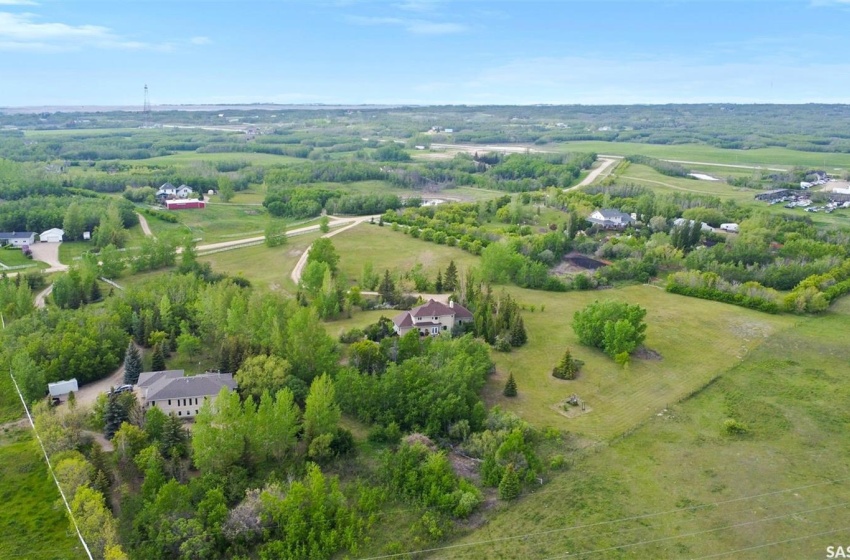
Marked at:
<point>393,250</point>
<point>10,404</point>
<point>33,524</point>
<point>268,268</point>
<point>191,157</point>
<point>697,341</point>
<point>774,157</point>
<point>648,177</point>
<point>681,487</point>
<point>224,222</point>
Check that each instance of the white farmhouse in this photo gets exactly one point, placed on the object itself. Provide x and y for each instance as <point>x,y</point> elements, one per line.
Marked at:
<point>610,219</point>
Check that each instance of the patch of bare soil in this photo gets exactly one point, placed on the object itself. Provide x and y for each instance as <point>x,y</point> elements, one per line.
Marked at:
<point>644,353</point>
<point>464,466</point>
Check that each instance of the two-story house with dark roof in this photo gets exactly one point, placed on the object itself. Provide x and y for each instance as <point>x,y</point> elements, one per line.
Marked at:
<point>172,391</point>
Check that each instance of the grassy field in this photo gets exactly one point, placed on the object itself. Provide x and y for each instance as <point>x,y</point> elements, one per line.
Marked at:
<point>775,157</point>
<point>189,157</point>
<point>13,258</point>
<point>32,523</point>
<point>646,176</point>
<point>224,222</point>
<point>617,399</point>
<point>266,268</point>
<point>680,487</point>
<point>387,249</point>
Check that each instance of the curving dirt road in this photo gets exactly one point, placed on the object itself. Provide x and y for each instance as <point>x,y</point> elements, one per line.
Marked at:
<point>302,261</point>
<point>144,223</point>
<point>604,164</point>
<point>334,222</point>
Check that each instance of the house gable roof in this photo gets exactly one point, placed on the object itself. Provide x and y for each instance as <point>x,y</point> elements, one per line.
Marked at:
<point>431,309</point>
<point>16,234</point>
<point>203,385</point>
<point>611,214</point>
<point>148,378</point>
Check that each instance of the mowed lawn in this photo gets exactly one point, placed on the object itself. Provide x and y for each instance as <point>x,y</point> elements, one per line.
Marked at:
<point>33,523</point>
<point>681,487</point>
<point>395,251</point>
<point>224,222</point>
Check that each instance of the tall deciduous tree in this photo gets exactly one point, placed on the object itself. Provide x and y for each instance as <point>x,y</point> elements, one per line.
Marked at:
<point>225,188</point>
<point>74,223</point>
<point>263,373</point>
<point>218,438</point>
<point>323,250</point>
<point>309,349</point>
<point>321,413</point>
<point>614,327</point>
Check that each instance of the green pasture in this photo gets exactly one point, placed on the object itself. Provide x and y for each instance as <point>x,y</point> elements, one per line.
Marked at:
<point>224,222</point>
<point>395,251</point>
<point>33,523</point>
<point>776,157</point>
<point>681,487</point>
<point>192,157</point>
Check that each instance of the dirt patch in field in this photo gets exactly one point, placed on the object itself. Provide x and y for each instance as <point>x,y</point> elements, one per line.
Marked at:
<point>571,411</point>
<point>575,263</point>
<point>465,467</point>
<point>645,353</point>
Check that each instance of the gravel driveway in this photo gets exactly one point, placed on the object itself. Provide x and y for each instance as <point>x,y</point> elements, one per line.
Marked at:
<point>49,253</point>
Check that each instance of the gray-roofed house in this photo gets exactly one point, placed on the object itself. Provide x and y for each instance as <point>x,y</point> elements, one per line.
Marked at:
<point>431,318</point>
<point>610,219</point>
<point>183,191</point>
<point>172,391</point>
<point>17,238</point>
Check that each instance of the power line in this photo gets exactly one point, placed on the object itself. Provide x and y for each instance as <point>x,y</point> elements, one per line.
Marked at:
<point>601,523</point>
<point>774,543</point>
<point>696,533</point>
<point>50,467</point>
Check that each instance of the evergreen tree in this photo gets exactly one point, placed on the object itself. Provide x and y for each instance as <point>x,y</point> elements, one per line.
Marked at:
<point>94,292</point>
<point>387,288</point>
<point>115,414</point>
<point>483,319</point>
<point>518,334</point>
<point>132,365</point>
<point>567,368</point>
<point>509,487</point>
<point>450,279</point>
<point>438,283</point>
<point>510,386</point>
<point>158,358</point>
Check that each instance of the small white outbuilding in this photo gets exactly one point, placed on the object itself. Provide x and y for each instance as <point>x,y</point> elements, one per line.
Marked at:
<point>54,235</point>
<point>60,389</point>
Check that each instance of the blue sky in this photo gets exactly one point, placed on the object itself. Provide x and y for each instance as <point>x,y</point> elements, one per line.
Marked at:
<point>424,52</point>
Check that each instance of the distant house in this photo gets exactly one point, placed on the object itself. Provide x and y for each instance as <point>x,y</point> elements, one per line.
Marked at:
<point>610,219</point>
<point>183,191</point>
<point>60,389</point>
<point>17,238</point>
<point>167,190</point>
<point>181,204</point>
<point>172,391</point>
<point>773,194</point>
<point>54,235</point>
<point>730,228</point>
<point>431,318</point>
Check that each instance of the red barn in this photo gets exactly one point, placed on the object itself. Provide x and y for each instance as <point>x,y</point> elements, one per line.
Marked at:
<point>185,204</point>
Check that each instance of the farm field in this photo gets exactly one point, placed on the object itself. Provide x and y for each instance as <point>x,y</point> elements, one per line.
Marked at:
<point>192,157</point>
<point>33,523</point>
<point>646,176</point>
<point>224,222</point>
<point>775,157</point>
<point>680,487</point>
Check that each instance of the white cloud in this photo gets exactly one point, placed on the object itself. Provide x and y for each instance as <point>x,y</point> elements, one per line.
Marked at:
<point>23,32</point>
<point>412,25</point>
<point>200,40</point>
<point>18,3</point>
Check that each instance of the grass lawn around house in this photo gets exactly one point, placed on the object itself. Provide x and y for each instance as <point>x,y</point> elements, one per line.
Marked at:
<point>680,487</point>
<point>33,523</point>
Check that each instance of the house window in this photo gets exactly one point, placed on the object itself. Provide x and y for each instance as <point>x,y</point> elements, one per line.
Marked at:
<point>179,413</point>
<point>435,330</point>
<point>196,411</point>
<point>169,402</point>
<point>445,328</point>
<point>436,318</point>
<point>196,400</point>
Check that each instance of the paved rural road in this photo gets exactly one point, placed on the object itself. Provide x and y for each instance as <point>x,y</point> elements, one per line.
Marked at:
<point>144,223</point>
<point>299,266</point>
<point>49,253</point>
